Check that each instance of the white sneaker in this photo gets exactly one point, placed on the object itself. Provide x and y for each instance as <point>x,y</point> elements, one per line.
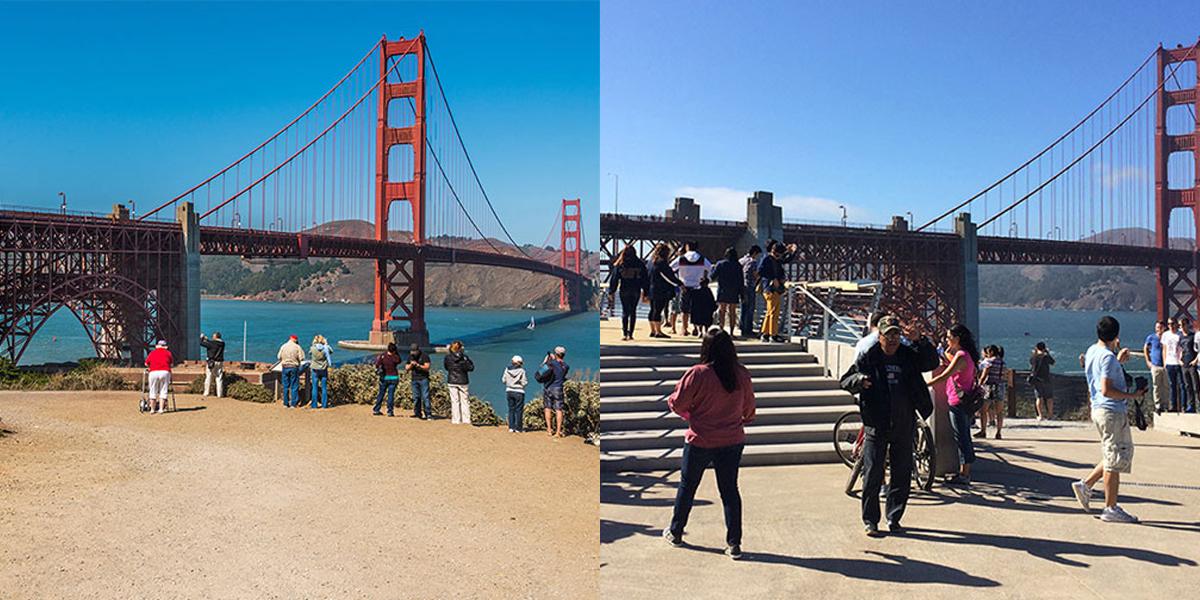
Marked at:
<point>1083,494</point>
<point>1116,514</point>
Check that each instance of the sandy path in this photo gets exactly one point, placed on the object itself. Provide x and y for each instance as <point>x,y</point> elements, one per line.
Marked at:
<point>241,500</point>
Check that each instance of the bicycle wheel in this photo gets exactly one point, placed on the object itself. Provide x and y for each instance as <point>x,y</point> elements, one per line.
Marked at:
<point>924,457</point>
<point>846,437</point>
<point>855,472</point>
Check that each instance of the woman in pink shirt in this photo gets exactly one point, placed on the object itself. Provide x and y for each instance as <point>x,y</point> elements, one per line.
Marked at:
<point>716,398</point>
<point>959,375</point>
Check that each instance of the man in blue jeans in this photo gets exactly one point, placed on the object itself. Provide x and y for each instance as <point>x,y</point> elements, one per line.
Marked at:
<point>749,264</point>
<point>290,356</point>
<point>552,394</point>
<point>418,371</point>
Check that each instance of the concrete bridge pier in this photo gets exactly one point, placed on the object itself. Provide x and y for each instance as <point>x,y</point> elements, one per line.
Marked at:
<point>764,221</point>
<point>189,317</point>
<point>966,231</point>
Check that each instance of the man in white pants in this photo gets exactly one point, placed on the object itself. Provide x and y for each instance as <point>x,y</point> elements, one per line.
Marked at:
<point>215,366</point>
<point>158,362</point>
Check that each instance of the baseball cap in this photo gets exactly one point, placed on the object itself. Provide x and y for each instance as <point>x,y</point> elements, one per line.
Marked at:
<point>888,324</point>
<point>414,347</point>
<point>559,350</point>
<point>517,359</point>
<point>161,344</point>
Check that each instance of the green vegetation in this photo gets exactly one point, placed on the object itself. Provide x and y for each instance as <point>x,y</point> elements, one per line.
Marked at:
<point>89,375</point>
<point>1070,287</point>
<point>359,384</point>
<point>581,410</point>
<point>227,276</point>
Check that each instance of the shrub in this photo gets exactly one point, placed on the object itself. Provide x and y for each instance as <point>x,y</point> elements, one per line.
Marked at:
<point>13,378</point>
<point>89,375</point>
<point>249,392</point>
<point>196,386</point>
<point>581,410</point>
<point>359,384</point>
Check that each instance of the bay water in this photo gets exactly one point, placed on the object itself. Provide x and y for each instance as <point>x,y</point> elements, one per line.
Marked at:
<point>1067,333</point>
<point>491,336</point>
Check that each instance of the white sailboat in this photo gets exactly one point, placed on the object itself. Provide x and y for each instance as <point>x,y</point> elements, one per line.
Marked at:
<point>531,324</point>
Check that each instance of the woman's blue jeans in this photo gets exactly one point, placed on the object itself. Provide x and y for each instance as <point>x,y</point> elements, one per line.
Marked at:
<point>320,388</point>
<point>960,422</point>
<point>387,386</point>
<point>516,410</point>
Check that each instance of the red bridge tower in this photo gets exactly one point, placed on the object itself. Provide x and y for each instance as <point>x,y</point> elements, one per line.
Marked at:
<point>1178,288</point>
<point>571,253</point>
<point>400,283</point>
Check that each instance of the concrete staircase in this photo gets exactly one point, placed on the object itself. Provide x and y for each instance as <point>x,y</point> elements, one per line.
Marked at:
<point>797,405</point>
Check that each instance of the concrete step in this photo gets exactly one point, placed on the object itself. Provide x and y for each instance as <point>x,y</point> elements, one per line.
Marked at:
<point>774,415</point>
<point>611,389</point>
<point>647,439</point>
<point>690,346</point>
<point>655,373</point>
<point>691,358</point>
<point>754,455</point>
<point>652,402</point>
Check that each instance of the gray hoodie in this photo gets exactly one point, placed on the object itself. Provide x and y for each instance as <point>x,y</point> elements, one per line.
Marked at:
<point>514,379</point>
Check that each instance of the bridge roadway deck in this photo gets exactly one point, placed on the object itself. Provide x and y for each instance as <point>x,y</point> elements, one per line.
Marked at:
<point>992,249</point>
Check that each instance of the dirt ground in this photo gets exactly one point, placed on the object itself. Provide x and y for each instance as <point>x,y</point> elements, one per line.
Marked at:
<point>229,499</point>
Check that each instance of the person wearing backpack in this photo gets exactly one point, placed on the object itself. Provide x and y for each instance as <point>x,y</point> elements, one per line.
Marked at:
<point>514,380</point>
<point>630,280</point>
<point>458,365</point>
<point>214,367</point>
<point>552,375</point>
<point>319,354</point>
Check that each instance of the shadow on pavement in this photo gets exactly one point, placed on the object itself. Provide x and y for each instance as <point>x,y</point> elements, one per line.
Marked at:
<point>631,489</point>
<point>895,568</point>
<point>190,408</point>
<point>612,531</point>
<point>1051,550</point>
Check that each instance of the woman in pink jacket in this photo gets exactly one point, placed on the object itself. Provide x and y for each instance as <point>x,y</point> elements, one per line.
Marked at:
<point>716,398</point>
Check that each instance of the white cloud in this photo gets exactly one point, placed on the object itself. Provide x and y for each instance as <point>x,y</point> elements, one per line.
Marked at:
<point>1112,178</point>
<point>730,204</point>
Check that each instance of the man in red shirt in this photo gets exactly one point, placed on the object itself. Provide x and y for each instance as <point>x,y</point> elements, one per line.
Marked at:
<point>158,362</point>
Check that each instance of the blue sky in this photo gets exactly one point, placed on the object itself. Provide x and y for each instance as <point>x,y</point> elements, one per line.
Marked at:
<point>110,102</point>
<point>882,107</point>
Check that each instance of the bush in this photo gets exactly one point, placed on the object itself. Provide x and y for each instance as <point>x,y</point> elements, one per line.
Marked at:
<point>196,386</point>
<point>359,384</point>
<point>581,410</point>
<point>13,378</point>
<point>249,392</point>
<point>89,375</point>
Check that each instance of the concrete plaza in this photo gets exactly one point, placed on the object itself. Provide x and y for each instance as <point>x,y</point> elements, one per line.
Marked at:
<point>1017,532</point>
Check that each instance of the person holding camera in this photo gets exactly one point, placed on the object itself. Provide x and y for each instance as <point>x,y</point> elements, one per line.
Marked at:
<point>214,367</point>
<point>552,375</point>
<point>418,373</point>
<point>1109,392</point>
<point>458,366</point>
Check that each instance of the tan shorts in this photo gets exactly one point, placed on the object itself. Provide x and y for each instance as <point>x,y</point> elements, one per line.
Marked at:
<point>1116,439</point>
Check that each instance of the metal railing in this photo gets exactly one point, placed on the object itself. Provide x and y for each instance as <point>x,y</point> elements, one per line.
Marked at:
<point>833,311</point>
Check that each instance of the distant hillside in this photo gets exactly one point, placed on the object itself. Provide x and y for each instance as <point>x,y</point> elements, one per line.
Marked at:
<point>1077,288</point>
<point>353,279</point>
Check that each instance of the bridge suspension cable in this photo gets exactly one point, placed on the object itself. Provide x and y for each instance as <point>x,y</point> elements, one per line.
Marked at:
<point>1043,151</point>
<point>1093,147</point>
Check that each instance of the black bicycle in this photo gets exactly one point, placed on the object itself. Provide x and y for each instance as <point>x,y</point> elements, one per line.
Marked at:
<point>848,443</point>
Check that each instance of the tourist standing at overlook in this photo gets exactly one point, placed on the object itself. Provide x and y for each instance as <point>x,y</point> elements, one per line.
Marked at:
<point>692,269</point>
<point>515,380</point>
<point>1108,392</point>
<point>158,381</point>
<point>214,367</point>
<point>418,366</point>
<point>1040,362</point>
<point>1152,351</point>
<point>771,277</point>
<point>962,355</point>
<point>995,390</point>
<point>458,366</point>
<point>1187,351</point>
<point>630,279</point>
<point>1173,362</point>
<point>716,398</point>
<point>749,264</point>
<point>730,283</point>
<point>290,356</point>
<point>553,375</point>
<point>891,389</point>
<point>663,285</point>
<point>387,366</point>
<point>321,355</point>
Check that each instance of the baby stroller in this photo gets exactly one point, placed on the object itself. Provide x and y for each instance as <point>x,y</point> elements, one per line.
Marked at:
<point>145,403</point>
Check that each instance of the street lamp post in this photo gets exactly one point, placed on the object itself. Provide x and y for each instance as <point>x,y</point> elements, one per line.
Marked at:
<point>63,207</point>
<point>616,191</point>
<point>908,213</point>
<point>843,207</point>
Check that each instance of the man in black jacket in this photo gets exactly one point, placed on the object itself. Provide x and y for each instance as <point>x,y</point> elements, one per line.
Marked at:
<point>215,365</point>
<point>888,381</point>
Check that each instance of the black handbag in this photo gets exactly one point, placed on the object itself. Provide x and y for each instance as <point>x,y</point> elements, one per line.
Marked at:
<point>971,400</point>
